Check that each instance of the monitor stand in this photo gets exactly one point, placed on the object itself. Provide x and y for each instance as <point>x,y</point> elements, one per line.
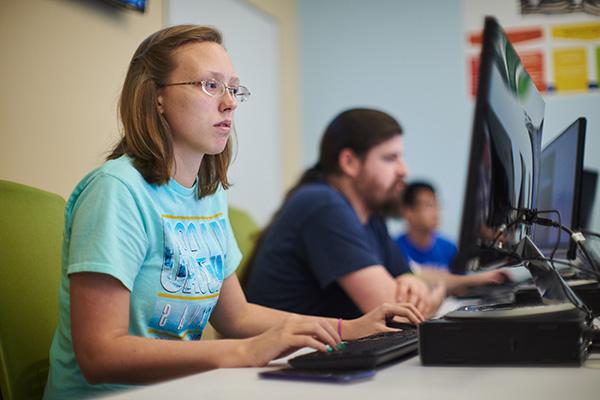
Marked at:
<point>557,298</point>
<point>548,281</point>
<point>553,289</point>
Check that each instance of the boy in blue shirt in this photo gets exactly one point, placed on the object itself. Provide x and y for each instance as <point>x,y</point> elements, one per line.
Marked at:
<point>429,253</point>
<point>422,243</point>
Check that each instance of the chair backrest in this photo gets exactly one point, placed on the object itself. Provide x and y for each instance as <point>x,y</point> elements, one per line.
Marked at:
<point>31,231</point>
<point>246,231</point>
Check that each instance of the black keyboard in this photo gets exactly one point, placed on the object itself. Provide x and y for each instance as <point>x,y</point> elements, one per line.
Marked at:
<point>367,352</point>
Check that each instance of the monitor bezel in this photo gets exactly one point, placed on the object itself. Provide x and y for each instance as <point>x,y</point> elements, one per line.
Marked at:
<point>466,243</point>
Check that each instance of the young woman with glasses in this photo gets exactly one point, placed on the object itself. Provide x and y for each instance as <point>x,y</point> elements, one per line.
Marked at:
<point>149,255</point>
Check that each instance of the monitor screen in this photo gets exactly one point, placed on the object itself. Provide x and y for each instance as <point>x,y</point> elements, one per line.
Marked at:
<point>560,185</point>
<point>504,154</point>
<point>137,5</point>
<point>589,181</point>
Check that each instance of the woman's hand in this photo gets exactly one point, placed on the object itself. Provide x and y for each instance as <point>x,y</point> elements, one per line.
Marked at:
<point>293,333</point>
<point>375,320</point>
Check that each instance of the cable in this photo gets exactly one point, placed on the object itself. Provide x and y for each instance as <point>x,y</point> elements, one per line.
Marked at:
<point>577,237</point>
<point>523,216</point>
<point>564,262</point>
<point>557,243</point>
<point>590,233</point>
<point>571,296</point>
<point>593,334</point>
<point>531,216</point>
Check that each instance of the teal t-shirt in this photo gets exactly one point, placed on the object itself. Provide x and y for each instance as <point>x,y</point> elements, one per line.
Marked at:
<point>169,248</point>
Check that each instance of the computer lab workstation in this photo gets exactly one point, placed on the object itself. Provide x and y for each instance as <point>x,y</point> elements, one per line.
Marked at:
<point>525,210</point>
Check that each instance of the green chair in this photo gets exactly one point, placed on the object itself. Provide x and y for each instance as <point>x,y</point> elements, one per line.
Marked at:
<point>246,232</point>
<point>31,229</point>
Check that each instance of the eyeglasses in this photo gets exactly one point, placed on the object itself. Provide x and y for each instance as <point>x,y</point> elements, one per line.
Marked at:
<point>213,88</point>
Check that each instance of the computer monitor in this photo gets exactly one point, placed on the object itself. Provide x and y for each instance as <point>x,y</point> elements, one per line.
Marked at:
<point>560,187</point>
<point>504,154</point>
<point>589,182</point>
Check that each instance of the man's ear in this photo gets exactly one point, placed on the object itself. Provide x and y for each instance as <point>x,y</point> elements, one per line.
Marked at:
<point>159,104</point>
<point>349,162</point>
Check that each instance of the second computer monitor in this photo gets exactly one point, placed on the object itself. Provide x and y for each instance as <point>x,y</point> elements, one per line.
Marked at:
<point>560,186</point>
<point>589,182</point>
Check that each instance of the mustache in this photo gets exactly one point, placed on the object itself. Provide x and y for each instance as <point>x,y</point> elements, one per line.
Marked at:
<point>398,182</point>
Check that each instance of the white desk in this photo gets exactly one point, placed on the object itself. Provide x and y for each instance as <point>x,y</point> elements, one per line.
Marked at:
<point>404,380</point>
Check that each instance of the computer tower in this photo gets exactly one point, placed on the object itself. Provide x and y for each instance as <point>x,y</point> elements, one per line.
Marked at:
<point>542,338</point>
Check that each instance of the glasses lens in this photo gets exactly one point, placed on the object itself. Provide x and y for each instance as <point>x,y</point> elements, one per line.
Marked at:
<point>241,93</point>
<point>212,87</point>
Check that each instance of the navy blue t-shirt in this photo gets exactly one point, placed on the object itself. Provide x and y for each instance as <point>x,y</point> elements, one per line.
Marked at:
<point>316,239</point>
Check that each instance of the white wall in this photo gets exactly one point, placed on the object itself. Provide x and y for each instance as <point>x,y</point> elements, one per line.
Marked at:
<point>251,38</point>
<point>408,58</point>
<point>404,57</point>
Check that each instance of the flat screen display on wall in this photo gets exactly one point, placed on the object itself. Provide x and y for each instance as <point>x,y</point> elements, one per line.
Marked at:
<point>137,5</point>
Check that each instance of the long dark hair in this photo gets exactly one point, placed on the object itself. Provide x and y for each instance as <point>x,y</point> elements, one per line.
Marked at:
<point>358,129</point>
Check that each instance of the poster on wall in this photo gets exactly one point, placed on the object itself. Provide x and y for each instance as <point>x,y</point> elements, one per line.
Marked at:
<point>557,41</point>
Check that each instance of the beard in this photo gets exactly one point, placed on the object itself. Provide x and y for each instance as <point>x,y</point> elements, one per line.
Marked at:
<point>379,199</point>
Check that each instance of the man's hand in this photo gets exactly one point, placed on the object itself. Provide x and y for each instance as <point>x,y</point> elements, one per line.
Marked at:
<point>414,290</point>
<point>437,295</point>
<point>375,320</point>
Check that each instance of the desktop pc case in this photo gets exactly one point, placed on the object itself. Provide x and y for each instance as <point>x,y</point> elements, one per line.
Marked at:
<point>532,340</point>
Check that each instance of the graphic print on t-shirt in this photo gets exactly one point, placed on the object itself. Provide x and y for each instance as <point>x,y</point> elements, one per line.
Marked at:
<point>191,275</point>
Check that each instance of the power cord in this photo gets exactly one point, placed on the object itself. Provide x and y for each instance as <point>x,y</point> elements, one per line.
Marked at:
<point>532,216</point>
<point>577,237</point>
<point>549,222</point>
<point>569,294</point>
<point>593,334</point>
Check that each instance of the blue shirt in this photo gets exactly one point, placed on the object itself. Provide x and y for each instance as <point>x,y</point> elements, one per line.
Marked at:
<point>439,255</point>
<point>316,239</point>
<point>170,249</point>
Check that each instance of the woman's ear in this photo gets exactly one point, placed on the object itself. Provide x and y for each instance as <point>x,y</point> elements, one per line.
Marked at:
<point>159,104</point>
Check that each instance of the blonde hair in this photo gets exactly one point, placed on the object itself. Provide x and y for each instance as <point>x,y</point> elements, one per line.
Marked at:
<point>147,137</point>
